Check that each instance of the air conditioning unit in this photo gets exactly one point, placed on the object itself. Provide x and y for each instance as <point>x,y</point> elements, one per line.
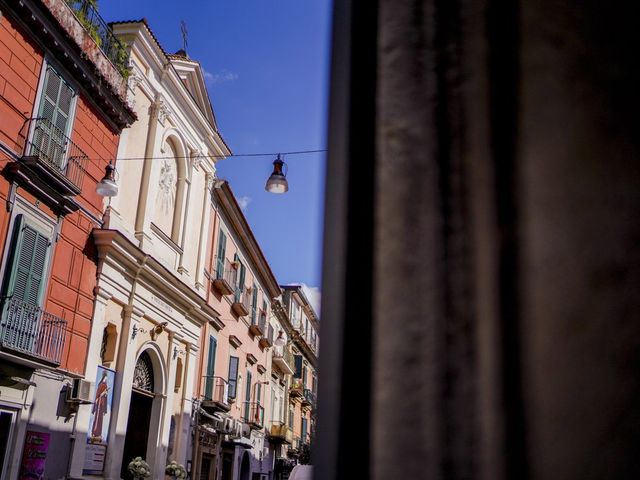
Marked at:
<point>228,425</point>
<point>80,391</point>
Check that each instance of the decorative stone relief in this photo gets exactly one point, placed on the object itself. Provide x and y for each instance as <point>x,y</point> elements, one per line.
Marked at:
<point>197,159</point>
<point>163,112</point>
<point>167,186</point>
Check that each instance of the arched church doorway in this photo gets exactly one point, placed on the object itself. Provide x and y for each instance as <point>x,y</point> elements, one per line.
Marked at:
<point>137,436</point>
<point>245,467</point>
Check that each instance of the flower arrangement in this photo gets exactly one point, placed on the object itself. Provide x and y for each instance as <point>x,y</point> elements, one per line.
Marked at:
<point>176,470</point>
<point>138,468</point>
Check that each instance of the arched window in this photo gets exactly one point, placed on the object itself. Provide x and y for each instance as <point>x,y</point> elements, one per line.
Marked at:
<point>143,373</point>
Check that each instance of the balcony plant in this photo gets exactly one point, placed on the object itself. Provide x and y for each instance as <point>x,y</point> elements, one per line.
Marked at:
<point>139,469</point>
<point>175,470</point>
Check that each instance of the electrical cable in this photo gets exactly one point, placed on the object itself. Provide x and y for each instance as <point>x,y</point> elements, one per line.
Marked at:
<point>252,154</point>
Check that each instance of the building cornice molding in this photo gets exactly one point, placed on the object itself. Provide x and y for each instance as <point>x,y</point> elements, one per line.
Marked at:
<point>117,249</point>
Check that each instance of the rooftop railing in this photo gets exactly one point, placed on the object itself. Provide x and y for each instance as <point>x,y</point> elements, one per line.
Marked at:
<point>102,34</point>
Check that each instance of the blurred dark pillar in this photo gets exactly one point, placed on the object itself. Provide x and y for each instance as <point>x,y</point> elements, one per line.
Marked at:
<point>483,321</point>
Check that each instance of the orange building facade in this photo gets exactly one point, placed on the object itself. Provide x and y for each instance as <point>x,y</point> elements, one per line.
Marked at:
<point>62,109</point>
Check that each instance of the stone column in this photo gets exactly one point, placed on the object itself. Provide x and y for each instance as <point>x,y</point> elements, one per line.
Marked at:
<point>125,365</point>
<point>183,425</point>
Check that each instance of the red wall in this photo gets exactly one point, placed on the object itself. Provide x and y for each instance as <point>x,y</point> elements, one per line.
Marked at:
<point>73,272</point>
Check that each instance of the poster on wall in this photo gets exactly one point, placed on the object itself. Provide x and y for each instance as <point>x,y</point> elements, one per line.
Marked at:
<point>98,433</point>
<point>34,456</point>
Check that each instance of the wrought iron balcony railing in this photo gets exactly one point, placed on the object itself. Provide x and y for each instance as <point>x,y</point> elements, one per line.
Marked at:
<point>225,277</point>
<point>29,330</point>
<point>308,397</point>
<point>241,305</point>
<point>259,326</point>
<point>280,432</point>
<point>102,34</point>
<point>49,147</point>
<point>283,359</point>
<point>296,389</point>
<point>215,392</point>
<point>256,415</point>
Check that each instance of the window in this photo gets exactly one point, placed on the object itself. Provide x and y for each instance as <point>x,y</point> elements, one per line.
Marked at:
<point>247,403</point>
<point>222,245</point>
<point>304,377</point>
<point>298,362</point>
<point>211,364</point>
<point>25,272</point>
<point>57,102</point>
<point>303,437</point>
<point>291,415</point>
<point>7,419</point>
<point>254,305</point>
<point>233,376</point>
<point>240,285</point>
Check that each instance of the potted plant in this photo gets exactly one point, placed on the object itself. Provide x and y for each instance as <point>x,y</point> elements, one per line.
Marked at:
<point>176,470</point>
<point>139,469</point>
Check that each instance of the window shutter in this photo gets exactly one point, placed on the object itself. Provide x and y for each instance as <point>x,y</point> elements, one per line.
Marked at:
<point>247,404</point>
<point>254,304</point>
<point>259,393</point>
<point>211,363</point>
<point>304,429</point>
<point>55,107</point>
<point>28,263</point>
<point>222,246</point>
<point>233,376</point>
<point>304,377</point>
<point>298,361</point>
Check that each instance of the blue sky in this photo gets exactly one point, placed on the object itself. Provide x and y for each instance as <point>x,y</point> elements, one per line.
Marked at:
<point>266,64</point>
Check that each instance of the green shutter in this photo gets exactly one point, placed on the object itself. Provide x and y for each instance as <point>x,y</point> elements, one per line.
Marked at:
<point>211,363</point>
<point>26,274</point>
<point>247,404</point>
<point>55,106</point>
<point>233,376</point>
<point>240,285</point>
<point>298,361</point>
<point>304,429</point>
<point>222,245</point>
<point>254,305</point>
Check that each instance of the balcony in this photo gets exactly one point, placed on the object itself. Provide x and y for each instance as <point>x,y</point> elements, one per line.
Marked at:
<point>102,34</point>
<point>283,359</point>
<point>28,330</point>
<point>215,393</point>
<point>51,163</point>
<point>280,433</point>
<point>267,340</point>
<point>296,389</point>
<point>240,305</point>
<point>259,327</point>
<point>308,398</point>
<point>256,416</point>
<point>225,277</point>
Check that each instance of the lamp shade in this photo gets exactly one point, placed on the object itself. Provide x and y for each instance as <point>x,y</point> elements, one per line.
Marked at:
<point>277,182</point>
<point>107,187</point>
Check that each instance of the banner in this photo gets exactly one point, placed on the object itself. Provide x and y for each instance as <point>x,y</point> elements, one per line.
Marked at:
<point>34,455</point>
<point>98,432</point>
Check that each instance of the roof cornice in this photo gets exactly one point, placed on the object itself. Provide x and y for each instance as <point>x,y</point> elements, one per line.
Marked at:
<point>227,200</point>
